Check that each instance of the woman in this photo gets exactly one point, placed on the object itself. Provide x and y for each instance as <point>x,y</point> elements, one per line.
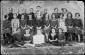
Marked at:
<point>22,26</point>
<point>47,26</point>
<point>78,26</point>
<point>7,30</point>
<point>69,24</point>
<point>62,23</point>
<point>54,22</point>
<point>53,38</point>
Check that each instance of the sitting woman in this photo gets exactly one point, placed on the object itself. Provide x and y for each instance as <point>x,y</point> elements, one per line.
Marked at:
<point>7,30</point>
<point>39,38</point>
<point>53,37</point>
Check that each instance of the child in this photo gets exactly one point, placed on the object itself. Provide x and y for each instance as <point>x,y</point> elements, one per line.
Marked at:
<point>47,26</point>
<point>64,11</point>
<point>39,37</point>
<point>78,26</point>
<point>53,37</point>
<point>61,23</point>
<point>69,24</point>
<point>54,22</point>
<point>7,30</point>
<point>10,14</point>
<point>18,14</point>
<point>15,24</point>
<point>56,13</point>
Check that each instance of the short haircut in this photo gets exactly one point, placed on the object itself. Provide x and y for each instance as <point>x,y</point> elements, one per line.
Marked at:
<point>76,14</point>
<point>62,14</point>
<point>48,15</point>
<point>38,6</point>
<point>63,9</point>
<point>14,14</point>
<point>52,15</point>
<point>69,13</point>
<point>55,9</point>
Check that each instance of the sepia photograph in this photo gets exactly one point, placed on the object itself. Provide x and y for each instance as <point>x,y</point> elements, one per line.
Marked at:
<point>51,27</point>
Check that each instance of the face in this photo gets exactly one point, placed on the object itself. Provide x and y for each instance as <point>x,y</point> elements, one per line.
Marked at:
<point>39,31</point>
<point>61,16</point>
<point>69,15</point>
<point>31,10</point>
<point>60,31</point>
<point>30,16</point>
<point>64,11</point>
<point>22,16</point>
<point>45,10</point>
<point>53,30</point>
<point>46,16</point>
<point>10,10</point>
<point>56,10</point>
<point>17,11</point>
<point>14,15</point>
<point>77,15</point>
<point>38,8</point>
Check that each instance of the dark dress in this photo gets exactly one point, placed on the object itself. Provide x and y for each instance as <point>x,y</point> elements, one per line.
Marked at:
<point>53,24</point>
<point>47,23</point>
<point>52,38</point>
<point>7,33</point>
<point>78,23</point>
<point>33,16</point>
<point>19,16</point>
<point>61,36</point>
<point>10,16</point>
<point>69,22</point>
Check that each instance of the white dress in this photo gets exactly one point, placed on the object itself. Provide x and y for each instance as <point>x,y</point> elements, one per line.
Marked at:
<point>38,39</point>
<point>15,25</point>
<point>62,25</point>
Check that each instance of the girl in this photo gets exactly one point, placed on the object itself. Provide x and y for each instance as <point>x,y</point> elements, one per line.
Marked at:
<point>53,37</point>
<point>62,23</point>
<point>7,30</point>
<point>54,22</point>
<point>78,26</point>
<point>69,24</point>
<point>47,26</point>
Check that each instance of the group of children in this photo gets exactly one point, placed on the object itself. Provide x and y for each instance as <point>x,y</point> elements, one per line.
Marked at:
<point>39,28</point>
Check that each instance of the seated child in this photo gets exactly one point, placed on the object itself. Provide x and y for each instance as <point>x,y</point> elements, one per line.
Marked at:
<point>39,37</point>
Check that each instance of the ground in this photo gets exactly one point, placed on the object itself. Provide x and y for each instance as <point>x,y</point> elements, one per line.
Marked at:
<point>76,49</point>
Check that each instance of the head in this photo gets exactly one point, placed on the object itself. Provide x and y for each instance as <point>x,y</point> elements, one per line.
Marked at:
<point>39,31</point>
<point>22,16</point>
<point>38,8</point>
<point>60,30</point>
<point>53,30</point>
<point>55,9</point>
<point>77,15</point>
<point>30,16</point>
<point>69,15</point>
<point>10,10</point>
<point>53,16</point>
<point>6,17</point>
<point>15,15</point>
<point>47,16</point>
<point>61,15</point>
<point>64,10</point>
<point>31,10</point>
<point>27,31</point>
<point>45,10</point>
<point>17,11</point>
<point>23,10</point>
